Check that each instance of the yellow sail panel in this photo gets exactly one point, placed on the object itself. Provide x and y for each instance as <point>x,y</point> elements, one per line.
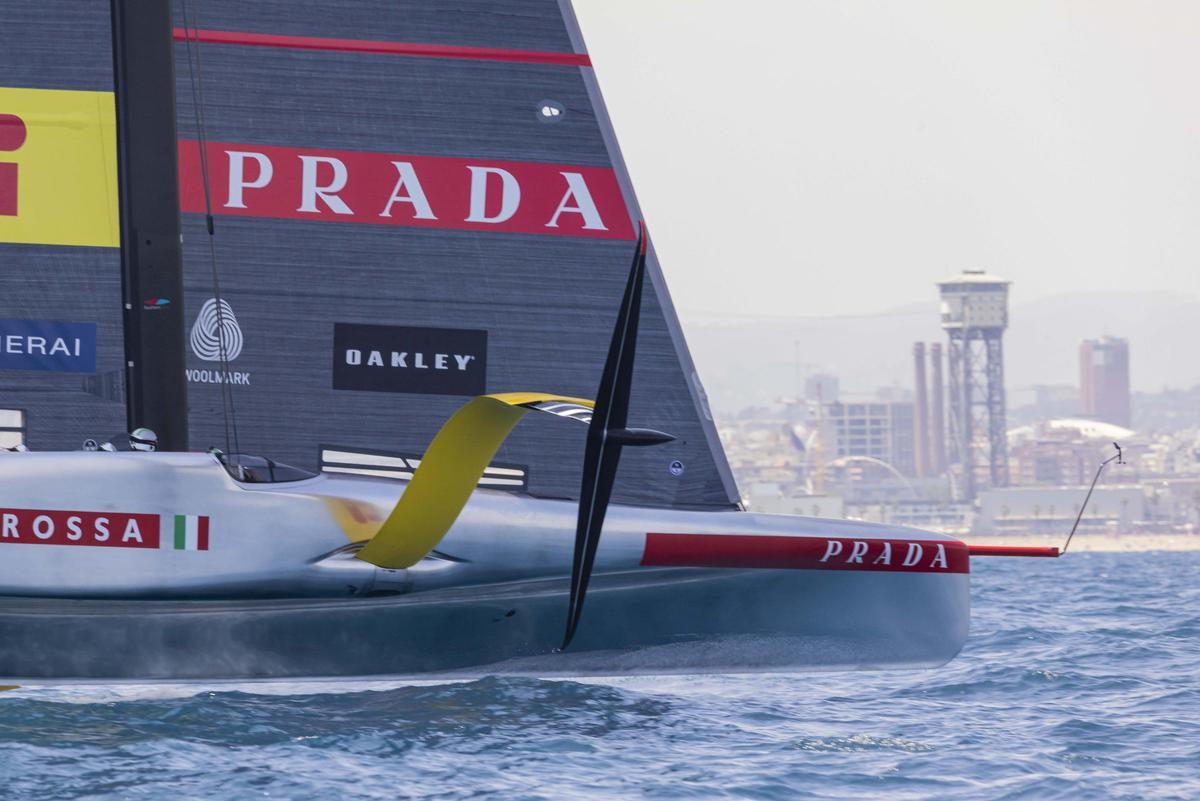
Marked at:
<point>58,168</point>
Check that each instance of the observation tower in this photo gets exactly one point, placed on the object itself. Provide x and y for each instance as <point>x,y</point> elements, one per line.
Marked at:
<point>974,315</point>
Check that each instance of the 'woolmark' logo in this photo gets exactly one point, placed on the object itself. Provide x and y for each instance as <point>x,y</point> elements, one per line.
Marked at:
<point>215,326</point>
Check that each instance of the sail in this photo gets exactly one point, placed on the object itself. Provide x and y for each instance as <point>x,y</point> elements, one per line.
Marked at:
<point>414,203</point>
<point>61,340</point>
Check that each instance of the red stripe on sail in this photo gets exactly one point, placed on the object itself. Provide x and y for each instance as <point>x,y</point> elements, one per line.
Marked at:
<point>805,553</point>
<point>202,533</point>
<point>383,48</point>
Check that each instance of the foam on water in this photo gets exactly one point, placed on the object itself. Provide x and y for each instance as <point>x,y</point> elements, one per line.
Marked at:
<point>1081,680</point>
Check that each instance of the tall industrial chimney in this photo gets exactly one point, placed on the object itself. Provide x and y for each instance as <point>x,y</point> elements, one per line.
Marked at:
<point>921,416</point>
<point>937,415</point>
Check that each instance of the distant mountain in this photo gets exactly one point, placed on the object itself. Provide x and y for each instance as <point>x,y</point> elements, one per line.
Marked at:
<point>746,360</point>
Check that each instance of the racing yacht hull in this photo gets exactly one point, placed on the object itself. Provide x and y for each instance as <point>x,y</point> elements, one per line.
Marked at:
<point>277,591</point>
<point>671,621</point>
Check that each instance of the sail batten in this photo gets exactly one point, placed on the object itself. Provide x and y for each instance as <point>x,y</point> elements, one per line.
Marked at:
<point>531,25</point>
<point>381,47</point>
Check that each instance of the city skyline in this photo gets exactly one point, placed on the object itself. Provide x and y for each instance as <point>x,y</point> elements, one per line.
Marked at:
<point>746,361</point>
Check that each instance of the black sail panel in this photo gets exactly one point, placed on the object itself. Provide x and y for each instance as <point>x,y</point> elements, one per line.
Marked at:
<point>61,341</point>
<point>415,203</point>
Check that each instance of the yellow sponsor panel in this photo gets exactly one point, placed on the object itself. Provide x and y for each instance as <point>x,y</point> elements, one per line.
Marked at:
<point>65,176</point>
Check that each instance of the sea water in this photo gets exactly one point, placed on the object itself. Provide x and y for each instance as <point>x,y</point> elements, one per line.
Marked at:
<point>1081,680</point>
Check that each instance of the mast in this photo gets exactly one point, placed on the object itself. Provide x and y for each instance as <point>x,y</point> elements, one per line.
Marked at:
<point>148,182</point>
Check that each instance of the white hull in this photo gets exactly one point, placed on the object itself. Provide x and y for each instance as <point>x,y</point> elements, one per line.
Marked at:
<point>278,593</point>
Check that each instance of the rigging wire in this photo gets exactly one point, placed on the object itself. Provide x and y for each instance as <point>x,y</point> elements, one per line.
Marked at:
<point>1119,458</point>
<point>196,80</point>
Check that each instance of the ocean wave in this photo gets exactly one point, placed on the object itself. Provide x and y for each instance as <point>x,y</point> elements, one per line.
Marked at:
<point>1081,680</point>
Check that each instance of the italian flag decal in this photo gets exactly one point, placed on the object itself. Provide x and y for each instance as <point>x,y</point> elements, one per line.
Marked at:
<point>191,532</point>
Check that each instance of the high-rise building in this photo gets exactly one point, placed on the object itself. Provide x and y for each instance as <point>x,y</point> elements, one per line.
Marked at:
<point>881,430</point>
<point>1104,380</point>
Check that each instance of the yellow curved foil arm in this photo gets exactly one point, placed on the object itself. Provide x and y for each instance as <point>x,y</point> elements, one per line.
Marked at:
<point>449,472</point>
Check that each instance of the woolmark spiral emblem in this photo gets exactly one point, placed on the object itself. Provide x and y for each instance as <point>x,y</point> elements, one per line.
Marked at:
<point>207,332</point>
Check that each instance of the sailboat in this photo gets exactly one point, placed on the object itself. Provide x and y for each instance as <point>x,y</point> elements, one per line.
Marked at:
<point>375,275</point>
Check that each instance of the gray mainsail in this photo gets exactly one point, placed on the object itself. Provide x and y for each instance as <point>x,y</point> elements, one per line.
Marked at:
<point>61,340</point>
<point>415,203</point>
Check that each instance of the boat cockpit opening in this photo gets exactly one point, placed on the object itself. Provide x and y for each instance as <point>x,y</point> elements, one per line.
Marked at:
<point>260,470</point>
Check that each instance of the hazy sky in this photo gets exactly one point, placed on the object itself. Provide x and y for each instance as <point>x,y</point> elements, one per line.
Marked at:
<point>808,158</point>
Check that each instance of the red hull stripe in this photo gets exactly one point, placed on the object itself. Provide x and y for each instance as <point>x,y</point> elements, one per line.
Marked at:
<point>383,48</point>
<point>1013,550</point>
<point>806,553</point>
<point>88,529</point>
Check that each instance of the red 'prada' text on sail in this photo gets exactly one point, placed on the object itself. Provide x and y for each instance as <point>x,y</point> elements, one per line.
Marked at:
<point>806,553</point>
<point>394,189</point>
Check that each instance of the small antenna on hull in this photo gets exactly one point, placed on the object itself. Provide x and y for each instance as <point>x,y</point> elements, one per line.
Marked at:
<point>1119,459</point>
